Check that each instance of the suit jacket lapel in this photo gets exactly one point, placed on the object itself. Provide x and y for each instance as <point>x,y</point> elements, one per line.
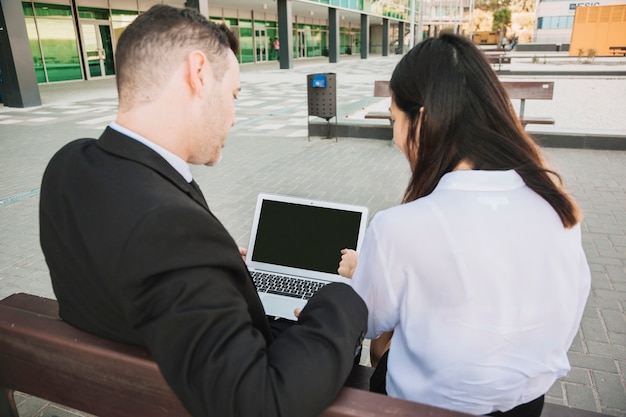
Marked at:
<point>121,145</point>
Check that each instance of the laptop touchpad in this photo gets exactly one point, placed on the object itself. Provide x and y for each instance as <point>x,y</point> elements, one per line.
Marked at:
<point>281,306</point>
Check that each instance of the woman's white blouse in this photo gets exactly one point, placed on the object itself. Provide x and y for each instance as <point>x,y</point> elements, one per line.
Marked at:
<point>483,287</point>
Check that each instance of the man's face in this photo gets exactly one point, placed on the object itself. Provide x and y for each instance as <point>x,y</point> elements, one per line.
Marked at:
<point>218,114</point>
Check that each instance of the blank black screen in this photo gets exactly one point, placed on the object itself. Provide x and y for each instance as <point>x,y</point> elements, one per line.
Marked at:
<point>303,236</point>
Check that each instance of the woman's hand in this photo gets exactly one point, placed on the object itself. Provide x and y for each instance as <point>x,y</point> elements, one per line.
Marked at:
<point>347,265</point>
<point>379,346</point>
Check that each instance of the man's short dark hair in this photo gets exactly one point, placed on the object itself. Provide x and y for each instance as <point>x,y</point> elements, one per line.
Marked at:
<point>157,41</point>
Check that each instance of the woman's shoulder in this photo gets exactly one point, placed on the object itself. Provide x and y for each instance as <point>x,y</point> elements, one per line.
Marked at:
<point>399,215</point>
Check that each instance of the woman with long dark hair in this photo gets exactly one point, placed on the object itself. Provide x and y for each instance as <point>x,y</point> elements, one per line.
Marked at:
<point>476,284</point>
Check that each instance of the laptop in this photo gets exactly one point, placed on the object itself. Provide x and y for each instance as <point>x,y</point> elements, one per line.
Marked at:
<point>295,248</point>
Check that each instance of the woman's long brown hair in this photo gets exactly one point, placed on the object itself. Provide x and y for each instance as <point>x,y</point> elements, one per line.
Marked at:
<point>467,116</point>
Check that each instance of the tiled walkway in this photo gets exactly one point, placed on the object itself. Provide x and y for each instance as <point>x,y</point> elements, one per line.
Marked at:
<point>268,151</point>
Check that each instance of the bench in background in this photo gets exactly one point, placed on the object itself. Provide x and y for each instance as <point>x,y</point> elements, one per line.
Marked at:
<point>530,90</point>
<point>498,59</point>
<point>519,90</point>
<point>618,50</point>
<point>381,89</point>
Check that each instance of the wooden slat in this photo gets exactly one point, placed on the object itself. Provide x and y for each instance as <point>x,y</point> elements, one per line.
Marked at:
<point>50,359</point>
<point>32,303</point>
<point>357,403</point>
<point>535,90</point>
<point>381,88</point>
<point>378,115</point>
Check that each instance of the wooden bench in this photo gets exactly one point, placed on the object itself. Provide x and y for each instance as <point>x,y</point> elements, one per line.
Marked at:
<point>618,50</point>
<point>498,59</point>
<point>43,356</point>
<point>381,89</point>
<point>530,90</point>
<point>520,90</point>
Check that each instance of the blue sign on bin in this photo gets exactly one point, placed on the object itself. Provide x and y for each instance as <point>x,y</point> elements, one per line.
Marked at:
<point>318,81</point>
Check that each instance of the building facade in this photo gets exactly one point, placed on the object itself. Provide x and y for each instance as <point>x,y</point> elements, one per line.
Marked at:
<point>555,19</point>
<point>76,39</point>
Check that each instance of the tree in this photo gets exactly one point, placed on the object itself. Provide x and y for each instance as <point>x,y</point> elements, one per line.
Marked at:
<point>501,20</point>
<point>492,5</point>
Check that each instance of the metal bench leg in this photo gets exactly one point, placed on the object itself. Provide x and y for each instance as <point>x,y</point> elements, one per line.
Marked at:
<point>7,403</point>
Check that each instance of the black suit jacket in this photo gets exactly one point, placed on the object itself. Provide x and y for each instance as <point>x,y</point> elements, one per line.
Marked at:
<point>136,255</point>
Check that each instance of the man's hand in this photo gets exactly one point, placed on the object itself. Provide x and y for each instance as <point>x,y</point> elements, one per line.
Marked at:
<point>243,252</point>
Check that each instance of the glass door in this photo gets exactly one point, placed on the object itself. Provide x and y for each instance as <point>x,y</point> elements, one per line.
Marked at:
<point>97,48</point>
<point>301,44</point>
<point>260,38</point>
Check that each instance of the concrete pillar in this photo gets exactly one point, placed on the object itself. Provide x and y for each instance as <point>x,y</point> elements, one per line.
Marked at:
<point>285,35</point>
<point>203,6</point>
<point>333,35</point>
<point>400,37</point>
<point>19,82</point>
<point>385,36</point>
<point>193,4</point>
<point>365,35</point>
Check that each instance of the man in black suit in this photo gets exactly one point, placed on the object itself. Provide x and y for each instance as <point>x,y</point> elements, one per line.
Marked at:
<point>136,255</point>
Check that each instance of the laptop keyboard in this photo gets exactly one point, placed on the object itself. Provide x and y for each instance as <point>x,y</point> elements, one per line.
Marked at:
<point>283,285</point>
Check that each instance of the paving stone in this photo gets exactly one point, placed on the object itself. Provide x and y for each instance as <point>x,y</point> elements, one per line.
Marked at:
<point>580,396</point>
<point>614,321</point>
<point>610,398</point>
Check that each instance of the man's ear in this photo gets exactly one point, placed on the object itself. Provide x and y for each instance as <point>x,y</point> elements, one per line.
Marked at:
<point>199,71</point>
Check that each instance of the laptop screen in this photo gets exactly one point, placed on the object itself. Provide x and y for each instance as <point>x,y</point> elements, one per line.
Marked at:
<point>304,236</point>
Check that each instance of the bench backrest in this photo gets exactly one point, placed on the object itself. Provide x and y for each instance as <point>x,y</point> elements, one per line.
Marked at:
<point>46,357</point>
<point>43,356</point>
<point>381,88</point>
<point>535,90</point>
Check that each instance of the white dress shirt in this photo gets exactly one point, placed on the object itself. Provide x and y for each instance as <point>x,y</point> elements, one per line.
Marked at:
<point>174,160</point>
<point>483,287</point>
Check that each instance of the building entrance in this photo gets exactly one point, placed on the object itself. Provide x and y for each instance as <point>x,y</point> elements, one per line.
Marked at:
<point>97,48</point>
<point>301,43</point>
<point>260,38</point>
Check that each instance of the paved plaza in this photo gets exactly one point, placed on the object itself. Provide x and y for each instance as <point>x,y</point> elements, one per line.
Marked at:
<point>269,151</point>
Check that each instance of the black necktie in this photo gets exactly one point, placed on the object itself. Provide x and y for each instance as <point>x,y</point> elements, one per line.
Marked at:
<point>197,193</point>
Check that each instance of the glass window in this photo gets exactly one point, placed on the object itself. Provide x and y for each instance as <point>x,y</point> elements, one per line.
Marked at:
<point>33,40</point>
<point>93,13</point>
<point>555,22</point>
<point>124,14</point>
<point>59,49</point>
<point>246,46</point>
<point>272,33</point>
<point>314,42</point>
<point>28,9</point>
<point>120,19</point>
<point>49,10</point>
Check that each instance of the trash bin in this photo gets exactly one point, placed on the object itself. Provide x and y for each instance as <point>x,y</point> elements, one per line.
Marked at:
<point>322,99</point>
